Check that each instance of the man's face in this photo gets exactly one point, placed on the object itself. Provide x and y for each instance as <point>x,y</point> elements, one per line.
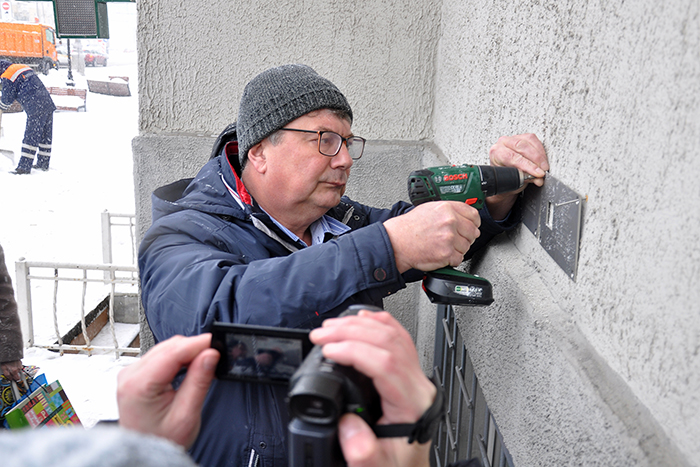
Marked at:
<point>238,351</point>
<point>299,180</point>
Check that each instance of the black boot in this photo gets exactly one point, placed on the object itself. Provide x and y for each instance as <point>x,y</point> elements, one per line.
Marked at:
<point>24,166</point>
<point>42,163</point>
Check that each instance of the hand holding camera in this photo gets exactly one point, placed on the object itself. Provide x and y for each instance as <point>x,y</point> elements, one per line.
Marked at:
<point>358,396</point>
<point>376,345</point>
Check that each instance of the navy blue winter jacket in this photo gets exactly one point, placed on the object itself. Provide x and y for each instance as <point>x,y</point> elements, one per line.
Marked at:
<point>206,258</point>
<point>21,83</point>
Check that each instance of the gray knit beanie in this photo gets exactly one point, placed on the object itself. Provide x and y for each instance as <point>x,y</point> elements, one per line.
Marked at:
<point>279,95</point>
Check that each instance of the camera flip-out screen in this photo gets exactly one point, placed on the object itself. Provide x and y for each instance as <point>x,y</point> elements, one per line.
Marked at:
<point>259,354</point>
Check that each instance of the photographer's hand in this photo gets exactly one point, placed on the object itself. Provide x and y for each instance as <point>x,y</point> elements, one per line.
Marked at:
<point>147,401</point>
<point>378,346</point>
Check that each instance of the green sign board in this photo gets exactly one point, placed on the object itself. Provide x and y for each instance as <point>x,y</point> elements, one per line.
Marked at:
<point>81,19</point>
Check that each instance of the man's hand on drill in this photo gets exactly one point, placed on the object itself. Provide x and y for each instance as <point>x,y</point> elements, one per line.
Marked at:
<point>433,235</point>
<point>378,346</point>
<point>524,152</point>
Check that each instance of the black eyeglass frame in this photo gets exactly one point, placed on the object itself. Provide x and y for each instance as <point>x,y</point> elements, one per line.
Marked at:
<point>320,133</point>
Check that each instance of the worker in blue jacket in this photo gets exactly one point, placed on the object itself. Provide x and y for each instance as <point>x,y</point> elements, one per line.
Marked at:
<point>266,237</point>
<point>19,82</point>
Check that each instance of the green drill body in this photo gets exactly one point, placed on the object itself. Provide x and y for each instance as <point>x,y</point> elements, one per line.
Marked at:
<point>470,184</point>
<point>466,183</point>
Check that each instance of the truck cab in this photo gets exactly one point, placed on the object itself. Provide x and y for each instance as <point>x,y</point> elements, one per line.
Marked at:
<point>31,44</point>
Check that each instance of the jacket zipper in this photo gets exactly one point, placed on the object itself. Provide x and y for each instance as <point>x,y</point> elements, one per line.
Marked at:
<point>254,458</point>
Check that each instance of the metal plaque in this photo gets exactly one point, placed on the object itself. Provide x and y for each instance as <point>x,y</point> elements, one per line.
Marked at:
<point>553,214</point>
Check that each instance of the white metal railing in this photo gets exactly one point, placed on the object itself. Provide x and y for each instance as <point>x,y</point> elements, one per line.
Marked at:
<point>113,275</point>
<point>109,222</point>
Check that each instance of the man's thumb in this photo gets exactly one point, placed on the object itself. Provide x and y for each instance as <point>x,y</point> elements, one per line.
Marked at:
<point>196,384</point>
<point>357,440</point>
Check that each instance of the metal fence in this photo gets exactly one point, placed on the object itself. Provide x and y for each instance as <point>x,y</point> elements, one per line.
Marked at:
<point>28,272</point>
<point>469,429</point>
<point>125,222</point>
<point>102,278</point>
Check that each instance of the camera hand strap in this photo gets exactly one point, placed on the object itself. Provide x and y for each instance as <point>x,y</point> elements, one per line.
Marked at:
<point>424,429</point>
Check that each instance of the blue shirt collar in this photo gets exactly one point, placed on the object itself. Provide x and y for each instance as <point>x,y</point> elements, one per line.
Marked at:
<point>319,229</point>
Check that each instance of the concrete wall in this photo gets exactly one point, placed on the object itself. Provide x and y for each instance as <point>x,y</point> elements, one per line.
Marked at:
<point>601,371</point>
<point>196,57</point>
<point>613,91</point>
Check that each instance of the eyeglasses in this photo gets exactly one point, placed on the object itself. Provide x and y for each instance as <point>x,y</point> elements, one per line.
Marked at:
<point>330,142</point>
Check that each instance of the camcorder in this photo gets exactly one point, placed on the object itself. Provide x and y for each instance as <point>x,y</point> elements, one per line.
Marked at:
<point>320,390</point>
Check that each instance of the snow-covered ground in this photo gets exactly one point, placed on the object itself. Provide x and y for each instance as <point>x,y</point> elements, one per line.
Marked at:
<point>55,215</point>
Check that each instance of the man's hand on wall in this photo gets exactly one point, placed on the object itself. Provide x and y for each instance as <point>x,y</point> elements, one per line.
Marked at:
<point>524,152</point>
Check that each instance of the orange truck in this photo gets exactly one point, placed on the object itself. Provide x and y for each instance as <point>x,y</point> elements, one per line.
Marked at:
<point>31,44</point>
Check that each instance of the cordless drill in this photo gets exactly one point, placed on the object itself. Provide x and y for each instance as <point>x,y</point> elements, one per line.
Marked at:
<point>470,184</point>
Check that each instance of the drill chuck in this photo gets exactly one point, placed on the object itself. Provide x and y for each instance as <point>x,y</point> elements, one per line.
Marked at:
<point>496,180</point>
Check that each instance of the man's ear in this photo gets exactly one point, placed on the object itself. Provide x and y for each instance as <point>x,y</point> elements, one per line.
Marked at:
<point>257,159</point>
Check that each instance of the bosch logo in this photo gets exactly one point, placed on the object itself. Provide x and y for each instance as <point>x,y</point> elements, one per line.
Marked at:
<point>449,178</point>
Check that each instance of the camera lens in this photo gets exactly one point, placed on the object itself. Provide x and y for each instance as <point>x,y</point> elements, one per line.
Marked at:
<point>314,409</point>
<point>316,395</point>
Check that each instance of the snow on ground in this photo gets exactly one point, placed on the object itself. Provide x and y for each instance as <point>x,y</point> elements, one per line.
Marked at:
<point>55,216</point>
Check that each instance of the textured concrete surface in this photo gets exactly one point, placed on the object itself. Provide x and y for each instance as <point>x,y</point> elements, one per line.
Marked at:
<point>196,57</point>
<point>159,160</point>
<point>613,91</point>
<point>601,371</point>
<point>555,399</point>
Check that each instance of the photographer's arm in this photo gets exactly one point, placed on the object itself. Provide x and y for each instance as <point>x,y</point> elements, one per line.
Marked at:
<point>378,346</point>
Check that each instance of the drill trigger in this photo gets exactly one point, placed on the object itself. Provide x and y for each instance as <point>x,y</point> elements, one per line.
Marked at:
<point>471,201</point>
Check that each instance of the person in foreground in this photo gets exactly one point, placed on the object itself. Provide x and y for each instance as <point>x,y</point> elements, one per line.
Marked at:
<point>157,422</point>
<point>266,237</point>
<point>373,343</point>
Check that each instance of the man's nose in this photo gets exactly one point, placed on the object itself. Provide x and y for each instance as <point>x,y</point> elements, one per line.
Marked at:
<point>342,159</point>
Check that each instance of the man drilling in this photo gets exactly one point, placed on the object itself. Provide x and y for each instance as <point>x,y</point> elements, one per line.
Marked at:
<point>19,82</point>
<point>267,237</point>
